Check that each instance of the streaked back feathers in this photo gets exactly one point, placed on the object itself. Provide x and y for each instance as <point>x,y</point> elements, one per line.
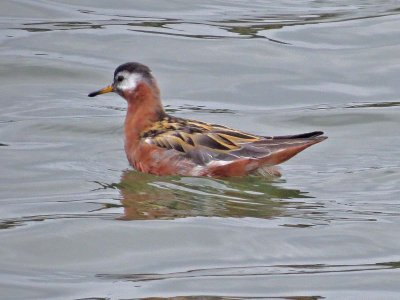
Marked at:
<point>203,142</point>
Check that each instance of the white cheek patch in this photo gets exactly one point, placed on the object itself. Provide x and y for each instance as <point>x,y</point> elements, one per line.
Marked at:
<point>130,82</point>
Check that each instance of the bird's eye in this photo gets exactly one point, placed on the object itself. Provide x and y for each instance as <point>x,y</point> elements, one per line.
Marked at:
<point>120,78</point>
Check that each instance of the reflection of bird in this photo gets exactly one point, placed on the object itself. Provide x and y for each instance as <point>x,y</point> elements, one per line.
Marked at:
<point>169,197</point>
<point>158,143</point>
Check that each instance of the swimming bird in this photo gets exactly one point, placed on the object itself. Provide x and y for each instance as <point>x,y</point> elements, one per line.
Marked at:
<point>161,144</point>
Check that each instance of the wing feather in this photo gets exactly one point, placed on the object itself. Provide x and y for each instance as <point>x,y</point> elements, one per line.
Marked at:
<point>203,142</point>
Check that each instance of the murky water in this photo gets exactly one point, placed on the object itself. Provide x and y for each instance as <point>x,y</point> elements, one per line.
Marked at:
<point>77,222</point>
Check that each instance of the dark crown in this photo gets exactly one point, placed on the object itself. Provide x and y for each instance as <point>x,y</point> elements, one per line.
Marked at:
<point>134,67</point>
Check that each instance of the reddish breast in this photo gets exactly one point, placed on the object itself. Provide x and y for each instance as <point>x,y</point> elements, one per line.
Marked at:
<point>159,161</point>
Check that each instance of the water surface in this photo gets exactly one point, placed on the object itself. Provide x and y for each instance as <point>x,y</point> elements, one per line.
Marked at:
<point>76,222</point>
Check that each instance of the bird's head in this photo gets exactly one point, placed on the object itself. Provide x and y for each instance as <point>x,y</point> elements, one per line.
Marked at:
<point>127,78</point>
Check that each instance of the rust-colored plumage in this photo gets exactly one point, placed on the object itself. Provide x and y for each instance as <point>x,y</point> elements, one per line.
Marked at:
<point>160,144</point>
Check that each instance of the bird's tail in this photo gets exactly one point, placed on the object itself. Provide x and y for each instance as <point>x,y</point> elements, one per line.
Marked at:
<point>285,147</point>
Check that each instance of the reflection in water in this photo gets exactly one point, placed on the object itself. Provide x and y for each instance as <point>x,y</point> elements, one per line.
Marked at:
<point>249,271</point>
<point>375,105</point>
<point>252,272</point>
<point>233,298</point>
<point>248,26</point>
<point>146,196</point>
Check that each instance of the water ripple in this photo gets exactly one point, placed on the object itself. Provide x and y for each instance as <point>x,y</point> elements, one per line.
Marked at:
<point>255,271</point>
<point>247,24</point>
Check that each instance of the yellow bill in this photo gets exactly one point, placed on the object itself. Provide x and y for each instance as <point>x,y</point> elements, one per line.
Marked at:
<point>107,89</point>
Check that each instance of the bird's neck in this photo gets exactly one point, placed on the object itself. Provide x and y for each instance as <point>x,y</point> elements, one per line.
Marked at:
<point>144,108</point>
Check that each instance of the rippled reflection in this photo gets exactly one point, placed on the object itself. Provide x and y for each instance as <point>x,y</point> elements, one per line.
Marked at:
<point>145,196</point>
<point>251,272</point>
<point>375,105</point>
<point>245,25</point>
<point>257,271</point>
<point>231,298</point>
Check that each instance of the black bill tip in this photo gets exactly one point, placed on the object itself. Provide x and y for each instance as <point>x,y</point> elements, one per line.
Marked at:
<point>93,94</point>
<point>107,89</point>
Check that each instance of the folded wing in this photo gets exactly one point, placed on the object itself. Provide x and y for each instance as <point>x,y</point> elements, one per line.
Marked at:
<point>204,143</point>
